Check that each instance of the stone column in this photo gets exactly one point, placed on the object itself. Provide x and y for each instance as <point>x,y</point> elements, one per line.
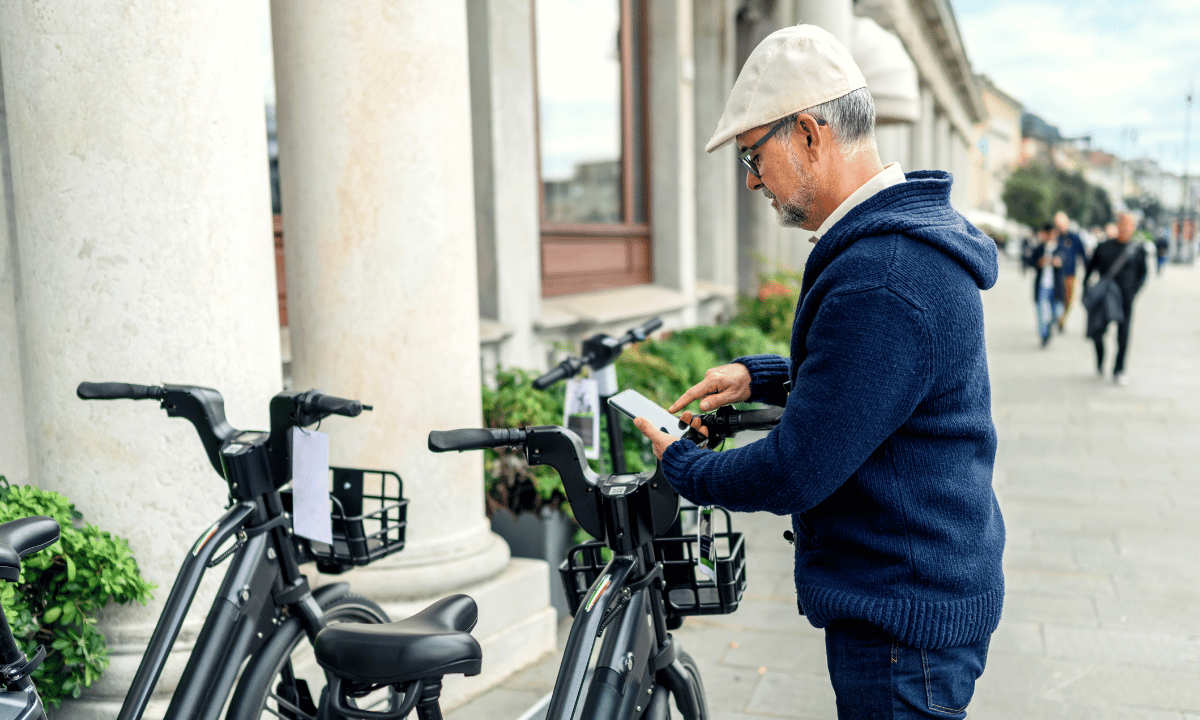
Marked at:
<point>14,453</point>
<point>141,204</point>
<point>941,143</point>
<point>833,16</point>
<point>673,139</point>
<point>716,209</point>
<point>507,215</point>
<point>895,142</point>
<point>923,133</point>
<point>376,173</point>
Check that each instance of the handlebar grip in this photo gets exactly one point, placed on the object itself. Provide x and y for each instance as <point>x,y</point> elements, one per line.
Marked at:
<point>118,391</point>
<point>321,403</point>
<point>562,371</point>
<point>474,438</point>
<point>640,332</point>
<point>764,419</point>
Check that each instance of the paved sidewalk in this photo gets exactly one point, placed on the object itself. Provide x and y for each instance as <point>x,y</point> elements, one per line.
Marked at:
<point>1100,487</point>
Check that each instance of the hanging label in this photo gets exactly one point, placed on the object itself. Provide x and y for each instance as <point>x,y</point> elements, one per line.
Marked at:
<point>311,507</point>
<point>582,414</point>
<point>707,562</point>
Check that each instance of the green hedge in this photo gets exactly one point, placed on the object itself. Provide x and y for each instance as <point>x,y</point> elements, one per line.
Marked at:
<point>63,588</point>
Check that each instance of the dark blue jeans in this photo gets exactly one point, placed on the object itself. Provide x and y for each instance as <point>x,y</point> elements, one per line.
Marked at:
<point>878,678</point>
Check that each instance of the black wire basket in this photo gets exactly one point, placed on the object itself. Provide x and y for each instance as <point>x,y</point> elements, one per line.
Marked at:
<point>369,517</point>
<point>686,591</point>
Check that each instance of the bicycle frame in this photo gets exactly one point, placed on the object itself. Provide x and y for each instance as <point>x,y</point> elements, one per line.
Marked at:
<point>243,614</point>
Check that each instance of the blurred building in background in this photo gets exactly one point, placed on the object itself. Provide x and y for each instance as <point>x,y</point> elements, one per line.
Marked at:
<point>997,148</point>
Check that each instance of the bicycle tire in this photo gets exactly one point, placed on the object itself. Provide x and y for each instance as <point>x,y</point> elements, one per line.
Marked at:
<point>697,685</point>
<point>269,687</point>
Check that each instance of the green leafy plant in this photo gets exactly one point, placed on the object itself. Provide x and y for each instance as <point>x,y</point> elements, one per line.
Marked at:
<point>772,309</point>
<point>61,590</point>
<point>510,482</point>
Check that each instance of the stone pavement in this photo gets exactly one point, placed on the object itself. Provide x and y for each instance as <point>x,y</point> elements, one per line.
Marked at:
<point>1100,488</point>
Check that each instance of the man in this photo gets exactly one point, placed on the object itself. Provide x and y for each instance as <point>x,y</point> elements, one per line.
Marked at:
<point>884,455</point>
<point>1072,246</point>
<point>1129,278</point>
<point>1048,262</point>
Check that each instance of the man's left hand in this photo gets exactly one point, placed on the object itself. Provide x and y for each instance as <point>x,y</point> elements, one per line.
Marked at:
<point>660,439</point>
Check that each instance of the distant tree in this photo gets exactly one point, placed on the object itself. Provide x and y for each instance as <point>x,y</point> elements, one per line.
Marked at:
<point>1027,194</point>
<point>1072,195</point>
<point>1100,210</point>
<point>1034,193</point>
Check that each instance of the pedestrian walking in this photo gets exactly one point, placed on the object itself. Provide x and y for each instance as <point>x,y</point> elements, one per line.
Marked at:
<point>1124,263</point>
<point>1162,246</point>
<point>1048,287</point>
<point>884,456</point>
<point>1072,248</point>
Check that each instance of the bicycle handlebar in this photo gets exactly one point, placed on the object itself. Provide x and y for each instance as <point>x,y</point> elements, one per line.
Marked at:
<point>598,351</point>
<point>640,332</point>
<point>474,439</point>
<point>204,408</point>
<point>727,421</point>
<point>118,391</point>
<point>561,449</point>
<point>315,402</point>
<point>566,369</point>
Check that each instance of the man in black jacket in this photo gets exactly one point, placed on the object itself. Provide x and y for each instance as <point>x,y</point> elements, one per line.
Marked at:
<point>1129,279</point>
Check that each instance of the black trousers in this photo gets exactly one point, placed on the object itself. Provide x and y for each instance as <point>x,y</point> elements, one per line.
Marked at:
<point>1122,342</point>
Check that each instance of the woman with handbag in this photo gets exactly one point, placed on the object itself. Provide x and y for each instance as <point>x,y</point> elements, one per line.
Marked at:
<point>1120,263</point>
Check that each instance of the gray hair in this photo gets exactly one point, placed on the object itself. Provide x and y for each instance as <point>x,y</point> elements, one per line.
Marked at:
<point>851,118</point>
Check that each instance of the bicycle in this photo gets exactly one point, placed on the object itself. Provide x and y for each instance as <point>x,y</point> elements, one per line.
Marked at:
<point>599,352</point>
<point>640,666</point>
<point>249,653</point>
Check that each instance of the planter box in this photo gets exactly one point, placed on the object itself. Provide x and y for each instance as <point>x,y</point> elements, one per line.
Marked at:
<point>546,535</point>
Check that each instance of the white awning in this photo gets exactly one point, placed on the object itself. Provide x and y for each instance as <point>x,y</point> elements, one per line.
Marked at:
<point>890,72</point>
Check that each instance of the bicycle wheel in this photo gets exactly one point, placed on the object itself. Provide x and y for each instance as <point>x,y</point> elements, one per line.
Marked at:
<point>697,688</point>
<point>283,680</point>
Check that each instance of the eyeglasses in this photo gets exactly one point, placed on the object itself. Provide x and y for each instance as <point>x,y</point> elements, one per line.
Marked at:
<point>748,158</point>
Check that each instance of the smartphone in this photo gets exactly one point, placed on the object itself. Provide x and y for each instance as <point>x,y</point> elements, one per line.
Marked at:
<point>633,404</point>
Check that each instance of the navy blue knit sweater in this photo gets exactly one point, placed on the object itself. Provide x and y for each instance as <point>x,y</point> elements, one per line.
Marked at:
<point>884,455</point>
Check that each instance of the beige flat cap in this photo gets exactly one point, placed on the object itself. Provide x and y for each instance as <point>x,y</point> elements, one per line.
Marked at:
<point>791,70</point>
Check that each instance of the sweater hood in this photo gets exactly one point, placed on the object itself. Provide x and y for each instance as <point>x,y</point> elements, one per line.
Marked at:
<point>920,209</point>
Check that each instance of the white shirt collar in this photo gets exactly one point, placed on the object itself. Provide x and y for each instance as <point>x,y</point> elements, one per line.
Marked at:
<point>890,175</point>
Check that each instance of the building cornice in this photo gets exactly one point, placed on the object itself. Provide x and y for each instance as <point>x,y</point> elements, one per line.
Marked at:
<point>930,34</point>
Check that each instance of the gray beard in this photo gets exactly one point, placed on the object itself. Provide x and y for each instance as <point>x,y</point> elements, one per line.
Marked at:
<point>797,209</point>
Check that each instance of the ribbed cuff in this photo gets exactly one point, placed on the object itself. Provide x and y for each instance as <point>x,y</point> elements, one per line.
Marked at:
<point>677,461</point>
<point>767,375</point>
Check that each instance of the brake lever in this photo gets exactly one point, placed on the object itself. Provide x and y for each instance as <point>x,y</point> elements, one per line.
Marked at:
<point>710,441</point>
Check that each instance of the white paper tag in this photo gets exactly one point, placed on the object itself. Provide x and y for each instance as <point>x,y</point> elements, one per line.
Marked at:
<point>707,562</point>
<point>311,506</point>
<point>582,414</point>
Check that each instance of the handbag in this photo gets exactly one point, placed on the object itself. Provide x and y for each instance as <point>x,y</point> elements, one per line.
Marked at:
<point>1104,299</point>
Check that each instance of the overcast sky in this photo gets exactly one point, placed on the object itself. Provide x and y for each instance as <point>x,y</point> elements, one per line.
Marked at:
<point>1115,69</point>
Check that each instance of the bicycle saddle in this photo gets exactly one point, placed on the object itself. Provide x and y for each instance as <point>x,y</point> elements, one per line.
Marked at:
<point>434,642</point>
<point>24,537</point>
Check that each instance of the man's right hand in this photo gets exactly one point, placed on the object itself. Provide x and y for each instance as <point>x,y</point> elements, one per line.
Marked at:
<point>722,385</point>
